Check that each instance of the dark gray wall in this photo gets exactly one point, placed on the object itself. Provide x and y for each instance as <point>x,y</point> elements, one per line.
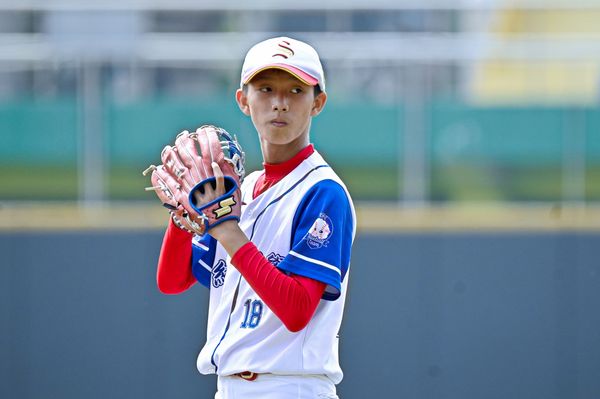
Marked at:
<point>460,315</point>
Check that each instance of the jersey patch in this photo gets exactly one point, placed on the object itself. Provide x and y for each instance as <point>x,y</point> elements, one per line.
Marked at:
<point>319,233</point>
<point>218,273</point>
<point>274,258</point>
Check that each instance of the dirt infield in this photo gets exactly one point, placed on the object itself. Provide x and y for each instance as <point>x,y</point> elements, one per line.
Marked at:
<point>372,217</point>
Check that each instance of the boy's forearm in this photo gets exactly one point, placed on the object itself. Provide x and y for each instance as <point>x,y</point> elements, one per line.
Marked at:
<point>230,236</point>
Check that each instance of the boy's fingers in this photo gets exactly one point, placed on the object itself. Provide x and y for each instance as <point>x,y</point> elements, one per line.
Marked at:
<point>218,173</point>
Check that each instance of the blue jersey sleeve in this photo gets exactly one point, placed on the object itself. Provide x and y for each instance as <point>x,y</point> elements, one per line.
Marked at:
<point>203,256</point>
<point>322,237</point>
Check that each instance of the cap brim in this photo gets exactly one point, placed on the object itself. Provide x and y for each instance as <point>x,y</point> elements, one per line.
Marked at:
<point>296,72</point>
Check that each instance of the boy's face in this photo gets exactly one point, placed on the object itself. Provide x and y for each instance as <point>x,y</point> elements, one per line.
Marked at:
<point>281,107</point>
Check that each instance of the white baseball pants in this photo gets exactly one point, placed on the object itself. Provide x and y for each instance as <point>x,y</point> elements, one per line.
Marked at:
<point>272,386</point>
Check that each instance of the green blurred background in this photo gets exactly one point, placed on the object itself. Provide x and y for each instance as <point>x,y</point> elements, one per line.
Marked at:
<point>429,102</point>
<point>478,153</point>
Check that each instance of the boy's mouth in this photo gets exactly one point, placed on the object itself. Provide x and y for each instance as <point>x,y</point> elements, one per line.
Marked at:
<point>278,123</point>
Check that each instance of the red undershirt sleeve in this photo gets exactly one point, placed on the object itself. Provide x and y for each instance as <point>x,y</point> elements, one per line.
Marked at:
<point>174,274</point>
<point>292,298</point>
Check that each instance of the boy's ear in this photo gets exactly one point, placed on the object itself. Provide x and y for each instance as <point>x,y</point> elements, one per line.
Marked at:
<point>242,100</point>
<point>318,104</point>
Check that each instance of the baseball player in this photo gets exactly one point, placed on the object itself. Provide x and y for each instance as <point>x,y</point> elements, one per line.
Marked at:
<point>278,273</point>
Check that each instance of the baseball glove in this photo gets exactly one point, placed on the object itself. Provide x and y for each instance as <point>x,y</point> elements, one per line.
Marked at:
<point>180,182</point>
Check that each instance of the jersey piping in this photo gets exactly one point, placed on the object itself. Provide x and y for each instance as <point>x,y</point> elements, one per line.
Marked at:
<point>233,304</point>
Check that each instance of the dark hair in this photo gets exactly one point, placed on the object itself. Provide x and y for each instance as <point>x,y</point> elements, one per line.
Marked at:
<point>317,89</point>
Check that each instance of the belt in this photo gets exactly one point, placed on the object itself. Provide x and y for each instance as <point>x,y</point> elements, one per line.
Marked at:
<point>247,375</point>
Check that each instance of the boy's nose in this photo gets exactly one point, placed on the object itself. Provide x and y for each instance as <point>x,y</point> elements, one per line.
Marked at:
<point>280,104</point>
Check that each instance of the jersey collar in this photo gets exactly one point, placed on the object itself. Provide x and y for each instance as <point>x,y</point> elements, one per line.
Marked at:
<point>276,171</point>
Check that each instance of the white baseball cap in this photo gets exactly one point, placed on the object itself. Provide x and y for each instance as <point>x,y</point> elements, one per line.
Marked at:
<point>290,55</point>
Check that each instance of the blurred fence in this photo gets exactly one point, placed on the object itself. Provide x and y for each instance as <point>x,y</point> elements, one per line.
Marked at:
<point>511,153</point>
<point>456,315</point>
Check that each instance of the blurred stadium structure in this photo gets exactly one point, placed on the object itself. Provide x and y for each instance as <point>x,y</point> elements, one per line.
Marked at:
<point>431,102</point>
<point>468,131</point>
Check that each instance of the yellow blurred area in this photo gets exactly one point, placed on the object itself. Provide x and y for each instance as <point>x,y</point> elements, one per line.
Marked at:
<point>514,81</point>
<point>519,21</point>
<point>550,78</point>
<point>372,217</point>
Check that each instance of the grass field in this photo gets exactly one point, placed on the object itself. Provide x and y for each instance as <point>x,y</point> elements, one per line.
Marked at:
<point>372,217</point>
<point>448,184</point>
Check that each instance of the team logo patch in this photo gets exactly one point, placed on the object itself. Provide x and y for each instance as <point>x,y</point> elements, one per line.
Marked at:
<point>274,258</point>
<point>225,207</point>
<point>319,233</point>
<point>218,273</point>
<point>284,50</point>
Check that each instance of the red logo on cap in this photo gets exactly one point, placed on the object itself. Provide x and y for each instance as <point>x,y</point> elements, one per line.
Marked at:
<point>289,51</point>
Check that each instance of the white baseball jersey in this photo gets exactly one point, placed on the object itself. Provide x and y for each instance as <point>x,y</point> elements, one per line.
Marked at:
<point>305,224</point>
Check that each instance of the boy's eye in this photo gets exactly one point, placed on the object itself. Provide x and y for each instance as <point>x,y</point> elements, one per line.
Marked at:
<point>296,90</point>
<point>265,89</point>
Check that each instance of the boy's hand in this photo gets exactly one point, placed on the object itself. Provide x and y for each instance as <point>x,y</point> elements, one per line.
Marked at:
<point>205,181</point>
